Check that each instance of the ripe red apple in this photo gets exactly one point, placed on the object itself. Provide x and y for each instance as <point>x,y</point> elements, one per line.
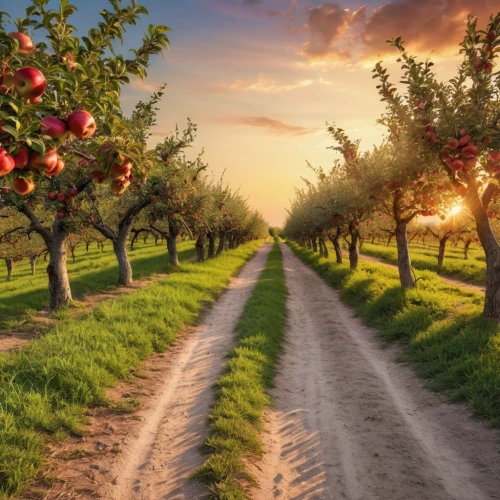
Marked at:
<point>491,36</point>
<point>53,127</point>
<point>121,170</point>
<point>23,186</point>
<point>463,132</point>
<point>60,215</point>
<point>81,124</point>
<point>464,140</point>
<point>21,158</point>
<point>35,100</point>
<point>488,67</point>
<point>7,163</point>
<point>25,42</point>
<point>469,152</point>
<point>61,196</point>
<point>29,82</point>
<point>458,165</point>
<point>52,195</point>
<point>57,169</point>
<point>46,162</point>
<point>453,143</point>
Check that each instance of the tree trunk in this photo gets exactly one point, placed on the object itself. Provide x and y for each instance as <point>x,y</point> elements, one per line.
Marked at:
<point>361,241</point>
<point>321,251</point>
<point>59,289</point>
<point>324,247</point>
<point>314,244</point>
<point>442,248</point>
<point>220,248</point>
<point>172,242</point>
<point>87,246</point>
<point>390,239</point>
<point>211,245</point>
<point>120,249</point>
<point>10,266</point>
<point>353,250</point>
<point>73,254</point>
<point>466,250</point>
<point>336,247</point>
<point>200,247</point>
<point>33,260</point>
<point>404,261</point>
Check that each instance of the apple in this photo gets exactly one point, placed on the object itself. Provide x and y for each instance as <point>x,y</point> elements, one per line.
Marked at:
<point>121,170</point>
<point>60,215</point>
<point>35,100</point>
<point>57,169</point>
<point>53,127</point>
<point>464,140</point>
<point>453,143</point>
<point>488,67</point>
<point>7,163</point>
<point>52,195</point>
<point>458,165</point>
<point>118,187</point>
<point>25,42</point>
<point>29,82</point>
<point>21,158</point>
<point>81,124</point>
<point>46,162</point>
<point>23,186</point>
<point>469,152</point>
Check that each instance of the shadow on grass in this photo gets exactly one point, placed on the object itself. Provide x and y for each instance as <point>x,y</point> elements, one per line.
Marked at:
<point>16,307</point>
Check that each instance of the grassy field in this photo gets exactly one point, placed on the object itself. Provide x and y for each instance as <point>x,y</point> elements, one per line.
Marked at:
<point>448,340</point>
<point>471,271</point>
<point>241,392</point>
<point>90,273</point>
<point>46,387</point>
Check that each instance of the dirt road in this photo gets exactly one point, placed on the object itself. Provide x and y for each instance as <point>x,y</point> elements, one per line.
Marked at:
<point>156,462</point>
<point>350,423</point>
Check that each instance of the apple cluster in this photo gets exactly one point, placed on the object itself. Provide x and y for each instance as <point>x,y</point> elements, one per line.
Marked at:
<point>486,54</point>
<point>113,165</point>
<point>20,162</point>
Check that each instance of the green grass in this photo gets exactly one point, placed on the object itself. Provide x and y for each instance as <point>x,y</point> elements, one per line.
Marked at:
<point>471,271</point>
<point>90,273</point>
<point>235,420</point>
<point>449,341</point>
<point>46,387</point>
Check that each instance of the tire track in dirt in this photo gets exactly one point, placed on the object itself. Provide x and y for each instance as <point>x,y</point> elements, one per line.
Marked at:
<point>156,462</point>
<point>350,423</point>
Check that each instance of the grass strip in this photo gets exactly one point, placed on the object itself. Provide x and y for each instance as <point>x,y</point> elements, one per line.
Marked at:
<point>92,272</point>
<point>235,420</point>
<point>471,271</point>
<point>449,341</point>
<point>46,387</point>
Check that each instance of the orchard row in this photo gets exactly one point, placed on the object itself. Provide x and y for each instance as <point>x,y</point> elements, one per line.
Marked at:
<point>74,168</point>
<point>439,165</point>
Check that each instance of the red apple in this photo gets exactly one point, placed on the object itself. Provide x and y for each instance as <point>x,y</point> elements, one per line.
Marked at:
<point>52,195</point>
<point>21,158</point>
<point>7,163</point>
<point>469,152</point>
<point>57,169</point>
<point>46,162</point>
<point>53,127</point>
<point>464,140</point>
<point>463,132</point>
<point>60,215</point>
<point>29,82</point>
<point>491,36</point>
<point>121,170</point>
<point>453,143</point>
<point>23,186</point>
<point>81,124</point>
<point>25,42</point>
<point>458,165</point>
<point>35,100</point>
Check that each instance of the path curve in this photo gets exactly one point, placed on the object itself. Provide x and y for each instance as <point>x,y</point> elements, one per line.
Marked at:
<point>157,461</point>
<point>350,423</point>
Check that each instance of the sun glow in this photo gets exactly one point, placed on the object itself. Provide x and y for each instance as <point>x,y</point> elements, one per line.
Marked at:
<point>455,210</point>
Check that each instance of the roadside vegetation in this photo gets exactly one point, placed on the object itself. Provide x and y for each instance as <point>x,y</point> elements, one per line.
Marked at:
<point>46,387</point>
<point>236,419</point>
<point>91,272</point>
<point>472,270</point>
<point>449,341</point>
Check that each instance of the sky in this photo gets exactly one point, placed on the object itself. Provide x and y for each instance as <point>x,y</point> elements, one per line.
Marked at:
<point>261,78</point>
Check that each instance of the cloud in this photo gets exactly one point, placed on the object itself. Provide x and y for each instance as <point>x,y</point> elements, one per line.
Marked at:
<point>272,126</point>
<point>245,8</point>
<point>142,86</point>
<point>266,85</point>
<point>337,34</point>
<point>328,26</point>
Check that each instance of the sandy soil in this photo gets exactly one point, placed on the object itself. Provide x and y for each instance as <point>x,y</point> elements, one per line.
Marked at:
<point>158,457</point>
<point>350,423</point>
<point>450,281</point>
